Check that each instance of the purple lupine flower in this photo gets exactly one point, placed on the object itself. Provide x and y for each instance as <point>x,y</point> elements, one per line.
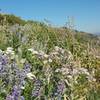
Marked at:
<point>60,88</point>
<point>3,59</point>
<point>3,62</point>
<point>1,67</point>
<point>22,82</point>
<point>27,67</point>
<point>36,91</point>
<point>20,78</point>
<point>9,97</point>
<point>16,92</point>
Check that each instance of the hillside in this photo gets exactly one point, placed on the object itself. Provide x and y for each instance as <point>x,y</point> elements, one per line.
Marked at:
<point>43,31</point>
<point>46,62</point>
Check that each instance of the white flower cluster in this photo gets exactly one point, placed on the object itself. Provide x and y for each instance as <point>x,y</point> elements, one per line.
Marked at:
<point>33,51</point>
<point>58,49</point>
<point>31,76</point>
<point>10,51</point>
<point>76,72</point>
<point>45,57</point>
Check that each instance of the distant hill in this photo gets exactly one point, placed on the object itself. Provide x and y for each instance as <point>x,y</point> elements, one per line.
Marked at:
<point>98,33</point>
<point>41,27</point>
<point>11,19</point>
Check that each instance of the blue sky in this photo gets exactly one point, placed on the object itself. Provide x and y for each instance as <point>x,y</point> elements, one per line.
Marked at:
<point>86,12</point>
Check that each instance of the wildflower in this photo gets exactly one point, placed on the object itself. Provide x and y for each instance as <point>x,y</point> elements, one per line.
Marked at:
<point>30,49</point>
<point>22,87</point>
<point>41,53</point>
<point>1,67</point>
<point>60,88</point>
<point>57,70</point>
<point>70,77</point>
<point>30,76</point>
<point>84,71</point>
<point>75,71</point>
<point>10,51</point>
<point>16,92</point>
<point>91,78</point>
<point>54,53</point>
<point>4,59</point>
<point>65,71</point>
<point>62,51</point>
<point>27,67</point>
<point>46,56</point>
<point>9,97</point>
<point>33,51</point>
<point>36,90</point>
<point>57,48</point>
<point>50,60</point>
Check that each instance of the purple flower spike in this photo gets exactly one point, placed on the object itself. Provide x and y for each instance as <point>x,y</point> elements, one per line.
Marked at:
<point>9,97</point>
<point>36,91</point>
<point>16,93</point>
<point>60,88</point>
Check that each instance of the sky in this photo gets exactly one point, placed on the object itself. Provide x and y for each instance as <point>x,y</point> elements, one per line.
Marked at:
<point>86,13</point>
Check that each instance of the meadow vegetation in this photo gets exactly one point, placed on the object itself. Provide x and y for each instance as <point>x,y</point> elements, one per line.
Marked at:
<point>42,62</point>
